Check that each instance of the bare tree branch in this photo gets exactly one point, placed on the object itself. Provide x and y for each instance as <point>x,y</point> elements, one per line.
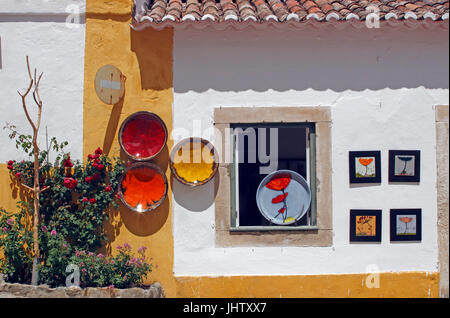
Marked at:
<point>26,187</point>
<point>23,96</point>
<point>45,189</point>
<point>36,167</point>
<point>39,102</point>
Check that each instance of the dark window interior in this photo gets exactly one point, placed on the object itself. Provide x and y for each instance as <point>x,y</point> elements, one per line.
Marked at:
<point>291,155</point>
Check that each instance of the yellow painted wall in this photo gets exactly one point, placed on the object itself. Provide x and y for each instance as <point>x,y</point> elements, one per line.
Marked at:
<point>391,285</point>
<point>9,192</point>
<point>145,58</point>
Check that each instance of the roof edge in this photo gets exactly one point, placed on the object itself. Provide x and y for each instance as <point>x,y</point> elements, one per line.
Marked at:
<point>241,25</point>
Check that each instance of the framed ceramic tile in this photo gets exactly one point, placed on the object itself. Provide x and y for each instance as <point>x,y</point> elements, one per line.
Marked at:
<point>406,224</point>
<point>365,225</point>
<point>365,166</point>
<point>404,165</point>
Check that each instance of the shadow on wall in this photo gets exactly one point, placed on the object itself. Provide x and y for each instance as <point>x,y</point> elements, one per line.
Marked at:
<point>153,62</point>
<point>140,224</point>
<point>195,199</point>
<point>18,192</point>
<point>112,127</point>
<point>349,59</point>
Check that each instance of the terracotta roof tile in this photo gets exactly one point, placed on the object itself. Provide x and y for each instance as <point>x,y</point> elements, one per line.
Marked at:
<point>260,11</point>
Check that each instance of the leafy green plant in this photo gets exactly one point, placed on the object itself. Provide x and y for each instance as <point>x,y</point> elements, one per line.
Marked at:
<point>73,201</point>
<point>16,241</point>
<point>122,271</point>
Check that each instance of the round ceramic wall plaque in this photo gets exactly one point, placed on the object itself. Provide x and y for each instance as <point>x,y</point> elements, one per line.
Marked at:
<point>142,135</point>
<point>109,84</point>
<point>142,187</point>
<point>193,161</point>
<point>283,197</point>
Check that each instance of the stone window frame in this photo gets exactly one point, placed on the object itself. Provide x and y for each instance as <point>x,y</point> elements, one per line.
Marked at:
<point>322,234</point>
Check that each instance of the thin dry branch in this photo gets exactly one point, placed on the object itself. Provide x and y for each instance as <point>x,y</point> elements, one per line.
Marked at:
<point>45,189</point>
<point>36,96</point>
<point>23,96</point>
<point>26,187</point>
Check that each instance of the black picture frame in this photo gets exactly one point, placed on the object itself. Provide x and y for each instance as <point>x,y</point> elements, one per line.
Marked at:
<point>353,155</point>
<point>354,237</point>
<point>393,154</point>
<point>394,216</point>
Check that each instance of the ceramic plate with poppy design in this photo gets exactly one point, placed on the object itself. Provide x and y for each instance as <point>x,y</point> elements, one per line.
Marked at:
<point>283,197</point>
<point>365,166</point>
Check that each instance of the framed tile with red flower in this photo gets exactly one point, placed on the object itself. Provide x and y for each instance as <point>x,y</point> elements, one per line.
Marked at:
<point>406,224</point>
<point>365,166</point>
<point>365,225</point>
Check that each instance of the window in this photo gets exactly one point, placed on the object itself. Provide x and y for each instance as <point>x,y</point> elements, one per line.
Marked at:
<point>260,149</point>
<point>237,221</point>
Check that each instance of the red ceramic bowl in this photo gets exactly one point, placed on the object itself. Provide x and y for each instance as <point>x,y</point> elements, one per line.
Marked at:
<point>142,135</point>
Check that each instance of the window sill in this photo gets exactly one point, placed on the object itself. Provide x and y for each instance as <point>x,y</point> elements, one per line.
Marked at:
<point>272,228</point>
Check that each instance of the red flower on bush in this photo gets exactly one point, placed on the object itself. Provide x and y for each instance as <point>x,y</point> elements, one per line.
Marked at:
<point>70,183</point>
<point>88,179</point>
<point>68,163</point>
<point>85,200</point>
<point>90,157</point>
<point>98,151</point>
<point>100,167</point>
<point>92,200</point>
<point>108,189</point>
<point>10,164</point>
<point>18,175</point>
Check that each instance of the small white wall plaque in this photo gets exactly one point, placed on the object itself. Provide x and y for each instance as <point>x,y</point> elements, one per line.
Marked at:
<point>110,84</point>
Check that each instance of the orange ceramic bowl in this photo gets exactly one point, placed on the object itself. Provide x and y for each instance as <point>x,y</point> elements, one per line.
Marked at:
<point>142,187</point>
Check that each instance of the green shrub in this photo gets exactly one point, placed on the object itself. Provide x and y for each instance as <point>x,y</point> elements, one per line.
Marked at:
<point>121,271</point>
<point>16,244</point>
<point>73,209</point>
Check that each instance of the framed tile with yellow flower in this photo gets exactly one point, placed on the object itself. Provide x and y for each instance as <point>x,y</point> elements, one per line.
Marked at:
<point>365,225</point>
<point>406,224</point>
<point>365,166</point>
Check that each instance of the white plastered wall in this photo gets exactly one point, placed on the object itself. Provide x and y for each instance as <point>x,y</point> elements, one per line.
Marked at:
<point>381,84</point>
<point>52,34</point>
